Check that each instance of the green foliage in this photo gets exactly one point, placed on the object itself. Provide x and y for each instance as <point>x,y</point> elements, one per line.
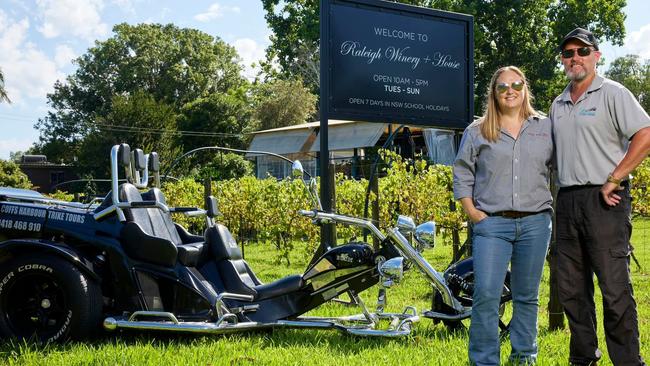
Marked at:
<point>151,126</point>
<point>225,166</point>
<point>185,193</point>
<point>266,210</point>
<point>226,115</point>
<point>12,176</point>
<point>421,191</point>
<point>62,196</point>
<point>295,39</point>
<point>509,32</point>
<point>640,190</point>
<point>164,66</point>
<point>280,103</point>
<point>629,71</point>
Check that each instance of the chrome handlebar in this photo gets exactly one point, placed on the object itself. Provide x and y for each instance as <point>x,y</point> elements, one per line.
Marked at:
<point>342,219</point>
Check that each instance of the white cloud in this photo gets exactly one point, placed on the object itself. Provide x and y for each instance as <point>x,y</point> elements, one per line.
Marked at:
<point>80,18</point>
<point>638,42</point>
<point>64,55</point>
<point>28,72</point>
<point>216,10</point>
<point>12,145</point>
<point>250,52</point>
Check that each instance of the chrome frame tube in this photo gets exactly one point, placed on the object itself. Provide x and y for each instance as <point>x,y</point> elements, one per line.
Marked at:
<point>434,276</point>
<point>348,220</point>
<point>118,206</point>
<point>400,324</point>
<point>115,198</point>
<point>220,306</point>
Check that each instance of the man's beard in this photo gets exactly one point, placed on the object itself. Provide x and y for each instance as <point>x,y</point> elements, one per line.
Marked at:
<point>576,76</point>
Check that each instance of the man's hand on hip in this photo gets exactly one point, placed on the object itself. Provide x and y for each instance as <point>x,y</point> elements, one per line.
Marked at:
<point>608,191</point>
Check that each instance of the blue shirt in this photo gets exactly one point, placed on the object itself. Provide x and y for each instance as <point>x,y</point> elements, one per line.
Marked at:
<point>509,174</point>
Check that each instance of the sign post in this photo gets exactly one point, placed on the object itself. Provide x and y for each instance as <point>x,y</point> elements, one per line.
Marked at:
<point>387,62</point>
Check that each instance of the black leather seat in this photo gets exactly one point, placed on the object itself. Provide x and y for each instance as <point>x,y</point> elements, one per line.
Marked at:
<point>237,274</point>
<point>150,234</point>
<point>190,247</point>
<point>142,237</point>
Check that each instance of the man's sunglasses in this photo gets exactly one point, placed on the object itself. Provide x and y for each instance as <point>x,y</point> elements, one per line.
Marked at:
<point>503,87</point>
<point>582,52</point>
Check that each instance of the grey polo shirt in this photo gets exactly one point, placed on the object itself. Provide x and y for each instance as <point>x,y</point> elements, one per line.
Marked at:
<point>509,174</point>
<point>592,135</point>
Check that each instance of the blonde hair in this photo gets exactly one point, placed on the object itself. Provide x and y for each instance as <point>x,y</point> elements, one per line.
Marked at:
<point>489,123</point>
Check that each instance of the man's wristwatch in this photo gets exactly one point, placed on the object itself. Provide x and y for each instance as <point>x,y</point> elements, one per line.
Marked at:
<point>611,179</point>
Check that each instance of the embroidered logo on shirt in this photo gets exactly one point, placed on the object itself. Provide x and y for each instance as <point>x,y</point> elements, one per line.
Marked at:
<point>587,112</point>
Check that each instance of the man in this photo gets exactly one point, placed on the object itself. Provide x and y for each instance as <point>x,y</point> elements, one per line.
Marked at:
<point>601,134</point>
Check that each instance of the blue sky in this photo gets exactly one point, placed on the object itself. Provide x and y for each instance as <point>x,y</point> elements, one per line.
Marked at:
<point>40,38</point>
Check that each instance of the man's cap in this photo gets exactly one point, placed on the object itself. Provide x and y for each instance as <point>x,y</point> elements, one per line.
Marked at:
<point>581,35</point>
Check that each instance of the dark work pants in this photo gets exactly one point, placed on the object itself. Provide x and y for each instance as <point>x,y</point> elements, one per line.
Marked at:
<point>593,238</point>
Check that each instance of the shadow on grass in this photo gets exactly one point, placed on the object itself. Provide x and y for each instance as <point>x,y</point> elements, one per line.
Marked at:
<point>337,342</point>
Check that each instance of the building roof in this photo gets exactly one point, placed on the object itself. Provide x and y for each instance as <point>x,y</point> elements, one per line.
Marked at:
<point>305,126</point>
<point>343,135</point>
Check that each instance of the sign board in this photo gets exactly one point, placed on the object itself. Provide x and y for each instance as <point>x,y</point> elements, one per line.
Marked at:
<point>389,62</point>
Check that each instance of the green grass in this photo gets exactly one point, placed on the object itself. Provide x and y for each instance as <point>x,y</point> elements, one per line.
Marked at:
<point>430,344</point>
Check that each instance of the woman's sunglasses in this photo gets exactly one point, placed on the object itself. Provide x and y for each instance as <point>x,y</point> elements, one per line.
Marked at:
<point>582,52</point>
<point>503,87</point>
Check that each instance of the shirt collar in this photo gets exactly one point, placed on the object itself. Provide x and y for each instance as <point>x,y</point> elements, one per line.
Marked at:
<point>596,84</point>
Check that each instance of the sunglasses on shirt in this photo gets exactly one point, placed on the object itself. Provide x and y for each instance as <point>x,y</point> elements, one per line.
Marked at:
<point>503,87</point>
<point>582,52</point>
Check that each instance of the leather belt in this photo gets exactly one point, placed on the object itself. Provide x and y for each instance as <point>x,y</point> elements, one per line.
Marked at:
<point>512,214</point>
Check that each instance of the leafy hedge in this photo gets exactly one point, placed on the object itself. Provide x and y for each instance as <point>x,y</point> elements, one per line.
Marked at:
<point>266,210</point>
<point>639,189</point>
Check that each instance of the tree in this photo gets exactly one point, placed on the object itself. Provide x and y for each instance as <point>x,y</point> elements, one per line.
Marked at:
<point>280,103</point>
<point>175,66</point>
<point>215,120</point>
<point>12,176</point>
<point>3,92</point>
<point>225,166</point>
<point>629,71</point>
<point>138,120</point>
<point>506,32</point>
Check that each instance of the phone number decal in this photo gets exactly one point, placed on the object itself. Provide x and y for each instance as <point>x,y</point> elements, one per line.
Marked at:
<point>20,225</point>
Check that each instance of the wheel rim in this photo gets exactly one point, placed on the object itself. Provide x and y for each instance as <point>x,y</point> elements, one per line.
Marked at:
<point>36,306</point>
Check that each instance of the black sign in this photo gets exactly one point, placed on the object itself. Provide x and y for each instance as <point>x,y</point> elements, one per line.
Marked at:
<point>394,63</point>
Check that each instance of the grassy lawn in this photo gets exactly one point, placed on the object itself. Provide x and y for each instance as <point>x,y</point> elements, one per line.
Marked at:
<point>429,344</point>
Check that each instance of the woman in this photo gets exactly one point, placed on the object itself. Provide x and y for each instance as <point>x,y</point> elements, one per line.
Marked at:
<point>501,177</point>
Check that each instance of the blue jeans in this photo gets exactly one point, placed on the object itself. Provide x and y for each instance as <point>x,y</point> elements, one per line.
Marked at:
<point>497,242</point>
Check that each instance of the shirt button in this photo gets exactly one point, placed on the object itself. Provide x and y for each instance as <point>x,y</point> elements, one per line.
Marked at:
<point>515,195</point>
<point>516,160</point>
<point>516,177</point>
